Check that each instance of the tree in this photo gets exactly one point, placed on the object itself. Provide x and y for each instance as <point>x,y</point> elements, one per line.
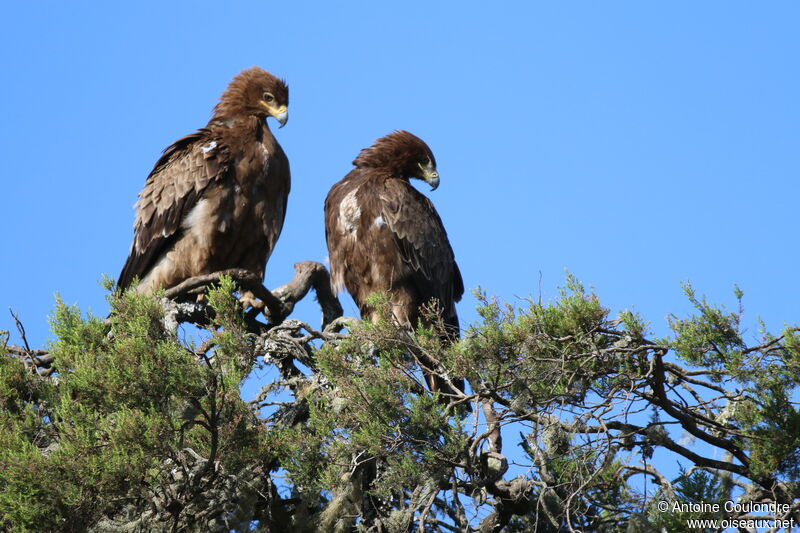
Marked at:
<point>125,425</point>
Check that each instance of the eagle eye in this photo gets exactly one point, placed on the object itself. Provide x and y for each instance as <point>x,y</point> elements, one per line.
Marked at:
<point>268,98</point>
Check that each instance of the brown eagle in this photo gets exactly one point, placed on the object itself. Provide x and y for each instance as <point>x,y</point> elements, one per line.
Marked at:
<point>216,199</point>
<point>385,236</point>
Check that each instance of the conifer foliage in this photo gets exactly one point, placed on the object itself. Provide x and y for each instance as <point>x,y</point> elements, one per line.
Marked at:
<point>128,424</point>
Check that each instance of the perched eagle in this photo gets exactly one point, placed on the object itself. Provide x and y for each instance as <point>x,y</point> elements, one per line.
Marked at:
<point>385,236</point>
<point>216,199</point>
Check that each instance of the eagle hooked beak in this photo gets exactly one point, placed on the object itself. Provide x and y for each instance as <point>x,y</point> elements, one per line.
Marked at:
<point>430,175</point>
<point>281,114</point>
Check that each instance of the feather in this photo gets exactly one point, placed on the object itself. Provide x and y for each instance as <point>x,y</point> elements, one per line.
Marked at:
<point>218,165</point>
<point>397,244</point>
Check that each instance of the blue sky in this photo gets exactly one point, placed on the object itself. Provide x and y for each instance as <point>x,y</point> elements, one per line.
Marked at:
<point>635,144</point>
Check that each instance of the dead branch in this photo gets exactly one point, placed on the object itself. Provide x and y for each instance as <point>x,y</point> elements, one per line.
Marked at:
<point>278,303</point>
<point>20,328</point>
<point>247,280</point>
<point>39,361</point>
<point>310,274</point>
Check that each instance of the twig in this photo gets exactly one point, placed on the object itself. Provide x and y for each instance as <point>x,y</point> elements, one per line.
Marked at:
<point>20,328</point>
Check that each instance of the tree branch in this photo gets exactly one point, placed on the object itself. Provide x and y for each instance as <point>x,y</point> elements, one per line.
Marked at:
<point>279,303</point>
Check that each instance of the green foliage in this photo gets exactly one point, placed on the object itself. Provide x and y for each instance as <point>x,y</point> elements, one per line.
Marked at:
<point>711,338</point>
<point>695,496</point>
<point>128,397</point>
<point>137,421</point>
<point>375,416</point>
<point>531,352</point>
<point>767,376</point>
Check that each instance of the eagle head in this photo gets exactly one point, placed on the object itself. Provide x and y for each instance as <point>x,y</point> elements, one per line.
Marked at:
<point>254,92</point>
<point>403,155</point>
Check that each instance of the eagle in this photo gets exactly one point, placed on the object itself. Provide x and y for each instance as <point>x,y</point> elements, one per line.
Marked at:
<point>383,235</point>
<point>216,199</point>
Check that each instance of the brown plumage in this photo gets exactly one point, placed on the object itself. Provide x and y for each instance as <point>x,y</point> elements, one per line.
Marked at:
<point>216,199</point>
<point>385,236</point>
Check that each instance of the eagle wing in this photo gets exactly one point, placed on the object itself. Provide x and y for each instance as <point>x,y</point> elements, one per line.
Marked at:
<point>340,248</point>
<point>173,188</point>
<point>364,227</point>
<point>422,241</point>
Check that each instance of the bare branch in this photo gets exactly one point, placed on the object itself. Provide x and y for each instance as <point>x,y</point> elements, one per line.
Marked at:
<point>20,328</point>
<point>280,303</point>
<point>310,274</point>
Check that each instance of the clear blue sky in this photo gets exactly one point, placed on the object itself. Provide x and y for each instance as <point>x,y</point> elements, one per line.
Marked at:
<point>636,144</point>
